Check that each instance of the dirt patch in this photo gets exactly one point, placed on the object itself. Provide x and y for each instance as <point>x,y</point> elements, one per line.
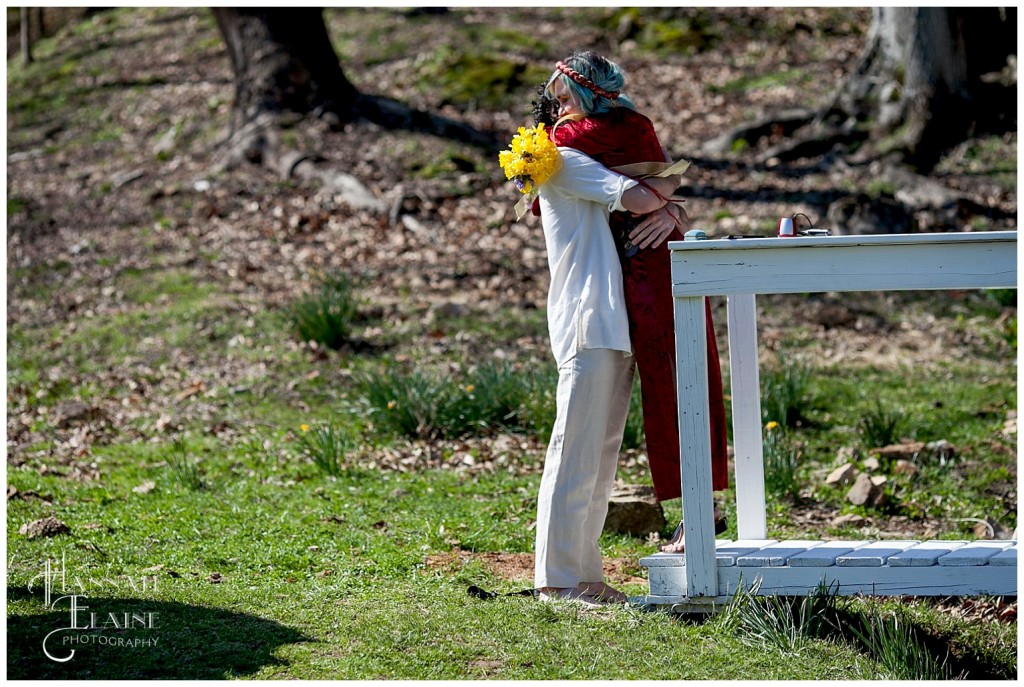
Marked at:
<point>518,567</point>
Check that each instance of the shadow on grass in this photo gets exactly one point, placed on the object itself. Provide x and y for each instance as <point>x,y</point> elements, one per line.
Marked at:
<point>183,642</point>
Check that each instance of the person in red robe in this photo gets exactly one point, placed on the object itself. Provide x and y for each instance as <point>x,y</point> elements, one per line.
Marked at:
<point>598,120</point>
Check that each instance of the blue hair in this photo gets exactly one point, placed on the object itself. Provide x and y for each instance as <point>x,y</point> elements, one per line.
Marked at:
<point>603,72</point>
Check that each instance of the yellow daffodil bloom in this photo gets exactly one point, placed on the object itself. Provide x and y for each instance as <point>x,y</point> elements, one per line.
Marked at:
<point>531,159</point>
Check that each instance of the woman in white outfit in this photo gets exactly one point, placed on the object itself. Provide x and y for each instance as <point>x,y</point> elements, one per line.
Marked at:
<point>589,334</point>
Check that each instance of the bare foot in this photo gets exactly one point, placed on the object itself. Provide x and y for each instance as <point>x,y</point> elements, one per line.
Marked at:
<point>569,594</point>
<point>676,543</point>
<point>602,592</point>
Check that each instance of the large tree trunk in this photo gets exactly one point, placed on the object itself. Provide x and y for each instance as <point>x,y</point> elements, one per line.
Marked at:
<point>26,36</point>
<point>283,61</point>
<point>924,75</point>
<point>929,79</point>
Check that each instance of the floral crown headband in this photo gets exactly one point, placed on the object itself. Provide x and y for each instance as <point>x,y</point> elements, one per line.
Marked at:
<point>584,81</point>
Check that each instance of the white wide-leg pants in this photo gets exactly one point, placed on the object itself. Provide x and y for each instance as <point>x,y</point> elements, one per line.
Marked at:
<point>579,469</point>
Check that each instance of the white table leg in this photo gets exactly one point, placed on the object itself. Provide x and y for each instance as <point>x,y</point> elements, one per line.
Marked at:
<point>746,418</point>
<point>695,447</point>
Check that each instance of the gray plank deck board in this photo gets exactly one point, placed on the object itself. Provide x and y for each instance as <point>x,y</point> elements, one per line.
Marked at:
<point>974,553</point>
<point>726,555</point>
<point>1007,556</point>
<point>925,553</point>
<point>776,554</point>
<point>873,554</point>
<point>824,554</point>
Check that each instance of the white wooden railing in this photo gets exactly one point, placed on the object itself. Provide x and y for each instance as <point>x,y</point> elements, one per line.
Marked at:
<point>741,268</point>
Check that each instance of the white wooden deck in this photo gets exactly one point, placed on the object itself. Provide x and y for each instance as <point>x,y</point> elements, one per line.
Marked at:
<point>882,568</point>
<point>710,571</point>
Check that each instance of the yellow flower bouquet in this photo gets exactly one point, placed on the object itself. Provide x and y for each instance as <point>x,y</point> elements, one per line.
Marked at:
<point>531,159</point>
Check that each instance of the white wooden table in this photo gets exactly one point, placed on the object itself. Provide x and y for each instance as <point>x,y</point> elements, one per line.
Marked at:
<point>739,269</point>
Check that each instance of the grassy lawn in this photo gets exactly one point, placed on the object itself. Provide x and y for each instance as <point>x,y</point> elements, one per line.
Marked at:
<point>325,578</point>
<point>261,563</point>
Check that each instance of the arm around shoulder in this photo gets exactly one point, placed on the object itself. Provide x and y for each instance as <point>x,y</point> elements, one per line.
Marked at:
<point>641,200</point>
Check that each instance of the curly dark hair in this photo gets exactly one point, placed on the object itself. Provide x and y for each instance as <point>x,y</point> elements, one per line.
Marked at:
<point>545,110</point>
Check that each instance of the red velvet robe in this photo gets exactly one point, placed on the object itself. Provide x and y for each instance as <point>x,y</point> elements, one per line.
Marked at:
<point>619,137</point>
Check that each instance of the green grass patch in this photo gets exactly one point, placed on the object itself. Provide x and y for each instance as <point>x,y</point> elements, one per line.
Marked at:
<point>786,391</point>
<point>781,459</point>
<point>984,156</point>
<point>184,470</point>
<point>685,35</point>
<point>150,286</point>
<point>418,404</point>
<point>97,343</point>
<point>962,404</point>
<point>906,640</point>
<point>16,205</point>
<point>472,79</point>
<point>898,647</point>
<point>327,314</point>
<point>500,325</point>
<point>793,77</point>
<point>326,445</point>
<point>666,32</point>
<point>882,426</point>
